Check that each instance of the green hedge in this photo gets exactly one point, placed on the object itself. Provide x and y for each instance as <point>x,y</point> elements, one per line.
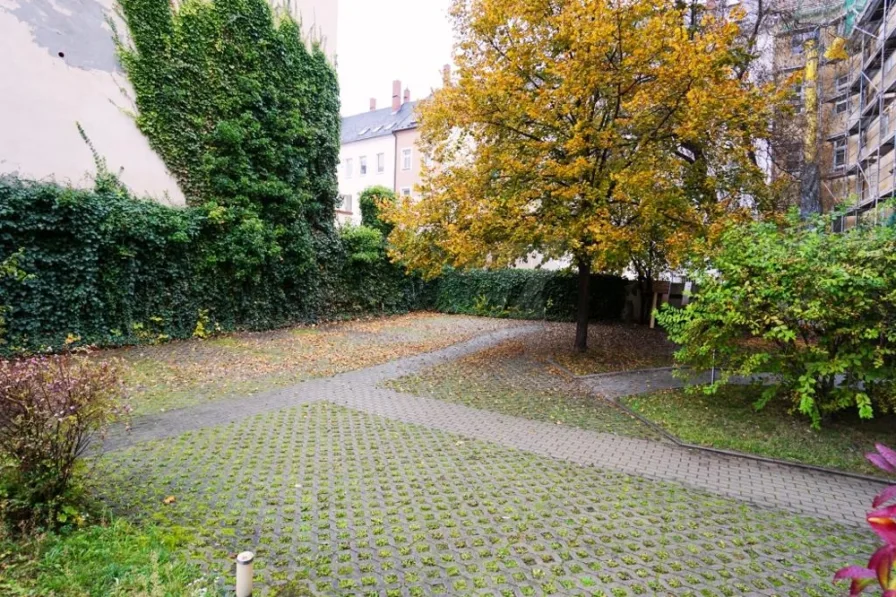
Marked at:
<point>116,270</point>
<point>527,294</point>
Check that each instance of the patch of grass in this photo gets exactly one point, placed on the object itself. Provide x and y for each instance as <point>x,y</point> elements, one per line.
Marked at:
<point>115,559</point>
<point>184,373</point>
<point>728,420</point>
<point>611,347</point>
<point>509,379</point>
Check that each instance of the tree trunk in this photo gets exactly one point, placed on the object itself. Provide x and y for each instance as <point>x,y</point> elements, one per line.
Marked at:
<point>583,309</point>
<point>646,298</point>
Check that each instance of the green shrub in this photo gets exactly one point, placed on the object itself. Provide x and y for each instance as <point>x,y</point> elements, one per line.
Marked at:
<point>814,308</point>
<point>114,270</point>
<point>370,201</point>
<point>50,409</point>
<point>526,294</point>
<point>362,244</point>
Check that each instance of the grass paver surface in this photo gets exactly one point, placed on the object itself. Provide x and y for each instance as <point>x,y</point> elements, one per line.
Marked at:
<point>183,373</point>
<point>517,378</point>
<point>338,502</point>
<point>728,420</point>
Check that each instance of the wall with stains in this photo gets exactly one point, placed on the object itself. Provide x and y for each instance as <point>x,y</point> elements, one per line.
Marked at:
<point>58,68</point>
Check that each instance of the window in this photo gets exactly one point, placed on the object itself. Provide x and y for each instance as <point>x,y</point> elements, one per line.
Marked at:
<point>380,163</point>
<point>839,153</point>
<point>406,159</point>
<point>842,84</point>
<point>406,192</point>
<point>348,168</point>
<point>345,203</point>
<point>890,62</point>
<point>884,123</point>
<point>362,165</point>
<point>797,41</point>
<point>797,97</point>
<point>841,106</point>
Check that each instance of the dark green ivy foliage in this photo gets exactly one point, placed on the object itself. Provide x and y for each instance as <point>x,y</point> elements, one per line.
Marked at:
<point>247,119</point>
<point>527,294</point>
<point>112,269</point>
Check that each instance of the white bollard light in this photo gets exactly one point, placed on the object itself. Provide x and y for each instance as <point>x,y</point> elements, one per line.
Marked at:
<point>244,574</point>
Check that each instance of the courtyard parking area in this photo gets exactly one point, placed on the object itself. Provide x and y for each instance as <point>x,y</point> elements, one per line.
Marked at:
<point>467,464</point>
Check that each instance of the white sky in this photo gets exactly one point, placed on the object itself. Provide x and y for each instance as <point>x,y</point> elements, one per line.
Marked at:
<point>383,40</point>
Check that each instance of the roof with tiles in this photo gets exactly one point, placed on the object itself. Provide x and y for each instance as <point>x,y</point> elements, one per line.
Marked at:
<point>378,123</point>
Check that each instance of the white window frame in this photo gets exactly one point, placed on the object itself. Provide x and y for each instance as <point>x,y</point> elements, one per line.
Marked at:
<point>407,156</point>
<point>362,165</point>
<point>345,203</point>
<point>380,163</point>
<point>842,84</point>
<point>841,106</point>
<point>349,165</point>
<point>839,154</point>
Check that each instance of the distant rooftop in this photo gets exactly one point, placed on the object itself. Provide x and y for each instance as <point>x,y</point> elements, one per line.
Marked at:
<point>378,123</point>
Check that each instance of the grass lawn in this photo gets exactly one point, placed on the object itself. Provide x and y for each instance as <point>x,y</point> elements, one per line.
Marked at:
<point>338,502</point>
<point>512,378</point>
<point>183,373</point>
<point>611,347</point>
<point>728,420</point>
<point>115,559</point>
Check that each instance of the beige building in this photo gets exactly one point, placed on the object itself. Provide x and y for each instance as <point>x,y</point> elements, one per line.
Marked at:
<point>58,68</point>
<point>409,160</point>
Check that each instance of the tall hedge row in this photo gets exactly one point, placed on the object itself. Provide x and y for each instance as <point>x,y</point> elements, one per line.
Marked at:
<point>112,269</point>
<point>527,294</point>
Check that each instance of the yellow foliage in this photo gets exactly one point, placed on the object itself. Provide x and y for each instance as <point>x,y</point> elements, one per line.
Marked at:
<point>600,129</point>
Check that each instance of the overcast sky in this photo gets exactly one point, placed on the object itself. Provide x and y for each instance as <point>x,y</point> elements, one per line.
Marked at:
<point>383,40</point>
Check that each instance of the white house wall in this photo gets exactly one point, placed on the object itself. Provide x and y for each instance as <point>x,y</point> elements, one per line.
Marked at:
<point>58,67</point>
<point>355,184</point>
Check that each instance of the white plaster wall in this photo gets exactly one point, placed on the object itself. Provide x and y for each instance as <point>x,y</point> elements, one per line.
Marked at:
<point>318,18</point>
<point>356,184</point>
<point>43,95</point>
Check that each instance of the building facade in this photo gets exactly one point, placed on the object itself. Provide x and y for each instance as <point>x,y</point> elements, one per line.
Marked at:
<point>58,67</point>
<point>856,91</point>
<point>379,148</point>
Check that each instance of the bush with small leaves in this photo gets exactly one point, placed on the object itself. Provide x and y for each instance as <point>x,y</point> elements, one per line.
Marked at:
<point>814,308</point>
<point>51,407</point>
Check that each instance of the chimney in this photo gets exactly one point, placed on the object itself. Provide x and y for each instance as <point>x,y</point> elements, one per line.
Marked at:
<point>407,95</point>
<point>372,104</point>
<point>396,95</point>
<point>446,75</point>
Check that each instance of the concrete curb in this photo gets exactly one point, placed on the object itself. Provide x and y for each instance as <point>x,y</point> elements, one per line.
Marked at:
<point>683,444</point>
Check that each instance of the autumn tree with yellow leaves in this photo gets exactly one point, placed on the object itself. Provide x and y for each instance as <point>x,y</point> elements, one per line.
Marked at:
<point>613,132</point>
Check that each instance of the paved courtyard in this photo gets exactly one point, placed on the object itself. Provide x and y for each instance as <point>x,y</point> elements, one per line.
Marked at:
<point>345,485</point>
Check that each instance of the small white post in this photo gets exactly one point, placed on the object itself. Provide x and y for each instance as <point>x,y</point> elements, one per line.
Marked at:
<point>244,574</point>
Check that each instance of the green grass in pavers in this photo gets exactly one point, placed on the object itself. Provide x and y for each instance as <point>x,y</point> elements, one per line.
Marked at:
<point>510,379</point>
<point>338,502</point>
<point>183,373</point>
<point>729,420</point>
<point>109,559</point>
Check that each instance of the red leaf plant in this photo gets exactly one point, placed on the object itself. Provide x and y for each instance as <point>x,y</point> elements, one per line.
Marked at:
<point>882,520</point>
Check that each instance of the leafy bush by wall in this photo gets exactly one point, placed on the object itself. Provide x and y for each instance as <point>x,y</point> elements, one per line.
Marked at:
<point>370,201</point>
<point>113,269</point>
<point>815,308</point>
<point>527,294</point>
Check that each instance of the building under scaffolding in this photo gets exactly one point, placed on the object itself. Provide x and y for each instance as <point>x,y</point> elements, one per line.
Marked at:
<point>852,131</point>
